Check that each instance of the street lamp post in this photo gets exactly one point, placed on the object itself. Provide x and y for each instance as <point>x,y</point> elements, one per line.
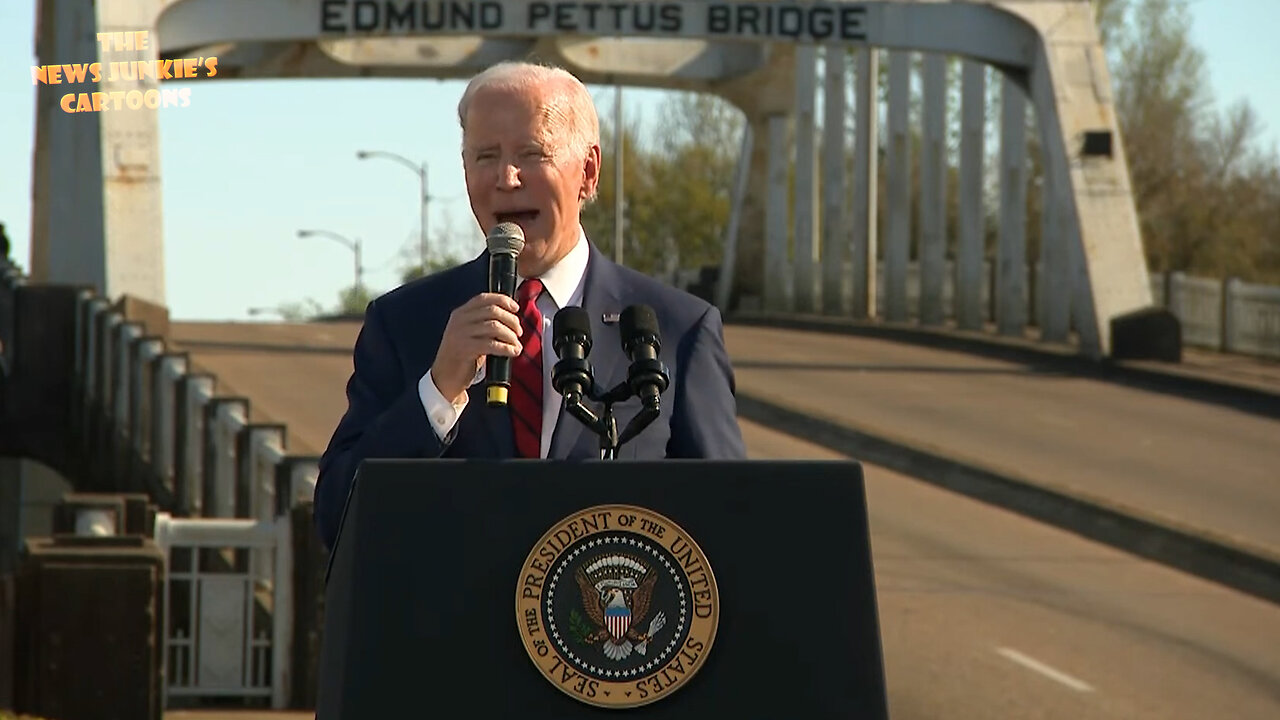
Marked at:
<point>352,245</point>
<point>421,171</point>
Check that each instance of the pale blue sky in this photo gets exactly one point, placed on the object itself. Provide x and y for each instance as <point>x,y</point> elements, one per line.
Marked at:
<point>250,162</point>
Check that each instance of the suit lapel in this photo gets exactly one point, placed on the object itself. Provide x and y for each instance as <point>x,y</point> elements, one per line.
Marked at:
<point>600,296</point>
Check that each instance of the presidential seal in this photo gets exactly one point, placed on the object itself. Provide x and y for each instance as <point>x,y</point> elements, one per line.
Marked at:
<point>617,606</point>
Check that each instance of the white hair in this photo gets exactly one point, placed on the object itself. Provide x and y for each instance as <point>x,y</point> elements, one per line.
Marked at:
<point>568,106</point>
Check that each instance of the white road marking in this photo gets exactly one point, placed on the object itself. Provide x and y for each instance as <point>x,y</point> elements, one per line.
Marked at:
<point>1033,664</point>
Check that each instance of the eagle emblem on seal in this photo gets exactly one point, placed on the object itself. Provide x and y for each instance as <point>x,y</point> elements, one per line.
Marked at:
<point>616,592</point>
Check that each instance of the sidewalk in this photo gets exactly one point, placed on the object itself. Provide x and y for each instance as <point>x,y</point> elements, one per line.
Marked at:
<point>1243,370</point>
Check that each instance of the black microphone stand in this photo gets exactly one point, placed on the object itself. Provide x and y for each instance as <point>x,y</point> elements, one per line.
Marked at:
<point>606,425</point>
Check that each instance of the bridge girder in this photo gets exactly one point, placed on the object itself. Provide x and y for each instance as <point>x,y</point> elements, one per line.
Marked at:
<point>1049,48</point>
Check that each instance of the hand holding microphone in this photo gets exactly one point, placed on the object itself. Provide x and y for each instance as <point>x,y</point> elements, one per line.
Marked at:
<point>486,326</point>
<point>505,242</point>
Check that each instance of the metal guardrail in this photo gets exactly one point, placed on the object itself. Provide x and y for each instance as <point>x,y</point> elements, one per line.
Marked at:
<point>147,421</point>
<point>234,520</point>
<point>242,658</point>
<point>1226,315</point>
<point>170,432</point>
<point>1230,315</point>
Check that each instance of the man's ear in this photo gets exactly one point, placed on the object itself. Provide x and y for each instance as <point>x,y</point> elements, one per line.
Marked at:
<point>590,174</point>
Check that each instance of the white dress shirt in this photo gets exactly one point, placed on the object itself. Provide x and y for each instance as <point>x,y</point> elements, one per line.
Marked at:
<point>563,286</point>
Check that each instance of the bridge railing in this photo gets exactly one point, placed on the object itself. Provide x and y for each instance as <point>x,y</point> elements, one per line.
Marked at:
<point>148,420</point>
<point>1227,315</point>
<point>151,421</point>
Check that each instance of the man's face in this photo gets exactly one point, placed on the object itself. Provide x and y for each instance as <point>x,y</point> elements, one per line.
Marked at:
<point>520,168</point>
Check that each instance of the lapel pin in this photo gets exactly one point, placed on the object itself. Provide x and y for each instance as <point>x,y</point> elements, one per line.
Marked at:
<point>611,318</point>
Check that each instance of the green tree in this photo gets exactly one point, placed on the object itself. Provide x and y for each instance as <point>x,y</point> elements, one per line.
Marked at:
<point>677,194</point>
<point>353,300</point>
<point>695,174</point>
<point>1204,188</point>
<point>599,215</point>
<point>303,311</point>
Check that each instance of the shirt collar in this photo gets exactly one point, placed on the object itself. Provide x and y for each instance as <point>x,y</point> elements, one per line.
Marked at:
<point>564,278</point>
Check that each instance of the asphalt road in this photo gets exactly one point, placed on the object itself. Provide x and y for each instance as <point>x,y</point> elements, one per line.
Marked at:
<point>1199,465</point>
<point>292,374</point>
<point>984,614</point>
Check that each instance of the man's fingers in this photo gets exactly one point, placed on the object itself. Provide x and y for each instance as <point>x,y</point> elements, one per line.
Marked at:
<point>497,347</point>
<point>485,325</point>
<point>483,337</point>
<point>495,330</point>
<point>496,300</point>
<point>486,313</point>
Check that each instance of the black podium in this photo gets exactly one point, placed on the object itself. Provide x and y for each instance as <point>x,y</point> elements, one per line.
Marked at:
<point>424,615</point>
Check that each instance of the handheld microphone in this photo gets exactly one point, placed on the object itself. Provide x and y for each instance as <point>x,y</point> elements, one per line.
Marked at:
<point>642,342</point>
<point>571,339</point>
<point>505,241</point>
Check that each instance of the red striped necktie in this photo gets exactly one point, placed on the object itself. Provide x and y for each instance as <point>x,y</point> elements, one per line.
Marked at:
<point>526,375</point>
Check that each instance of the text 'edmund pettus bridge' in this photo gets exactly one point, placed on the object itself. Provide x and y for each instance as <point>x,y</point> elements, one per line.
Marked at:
<point>819,21</point>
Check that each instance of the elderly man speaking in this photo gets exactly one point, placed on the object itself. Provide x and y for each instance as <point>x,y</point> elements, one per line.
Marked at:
<point>531,154</point>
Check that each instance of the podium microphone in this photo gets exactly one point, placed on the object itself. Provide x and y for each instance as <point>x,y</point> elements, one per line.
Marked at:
<point>505,241</point>
<point>571,339</point>
<point>642,342</point>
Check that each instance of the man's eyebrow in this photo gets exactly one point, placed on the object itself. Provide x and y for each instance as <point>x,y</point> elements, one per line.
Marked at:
<point>535,146</point>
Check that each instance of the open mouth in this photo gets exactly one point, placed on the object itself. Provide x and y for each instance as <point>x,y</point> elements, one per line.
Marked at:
<point>519,217</point>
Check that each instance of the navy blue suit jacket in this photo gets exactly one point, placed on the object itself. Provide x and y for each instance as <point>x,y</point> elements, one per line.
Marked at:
<point>399,340</point>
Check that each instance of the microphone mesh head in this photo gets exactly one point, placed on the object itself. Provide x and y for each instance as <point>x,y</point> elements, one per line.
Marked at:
<point>637,321</point>
<point>505,239</point>
<point>568,321</point>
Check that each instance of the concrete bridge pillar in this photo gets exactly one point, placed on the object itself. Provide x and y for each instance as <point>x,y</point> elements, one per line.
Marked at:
<point>801,246</point>
<point>779,274</point>
<point>1011,249</point>
<point>764,265</point>
<point>866,171</point>
<point>970,249</point>
<point>96,210</point>
<point>806,182</point>
<point>897,249</point>
<point>932,255</point>
<point>837,245</point>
